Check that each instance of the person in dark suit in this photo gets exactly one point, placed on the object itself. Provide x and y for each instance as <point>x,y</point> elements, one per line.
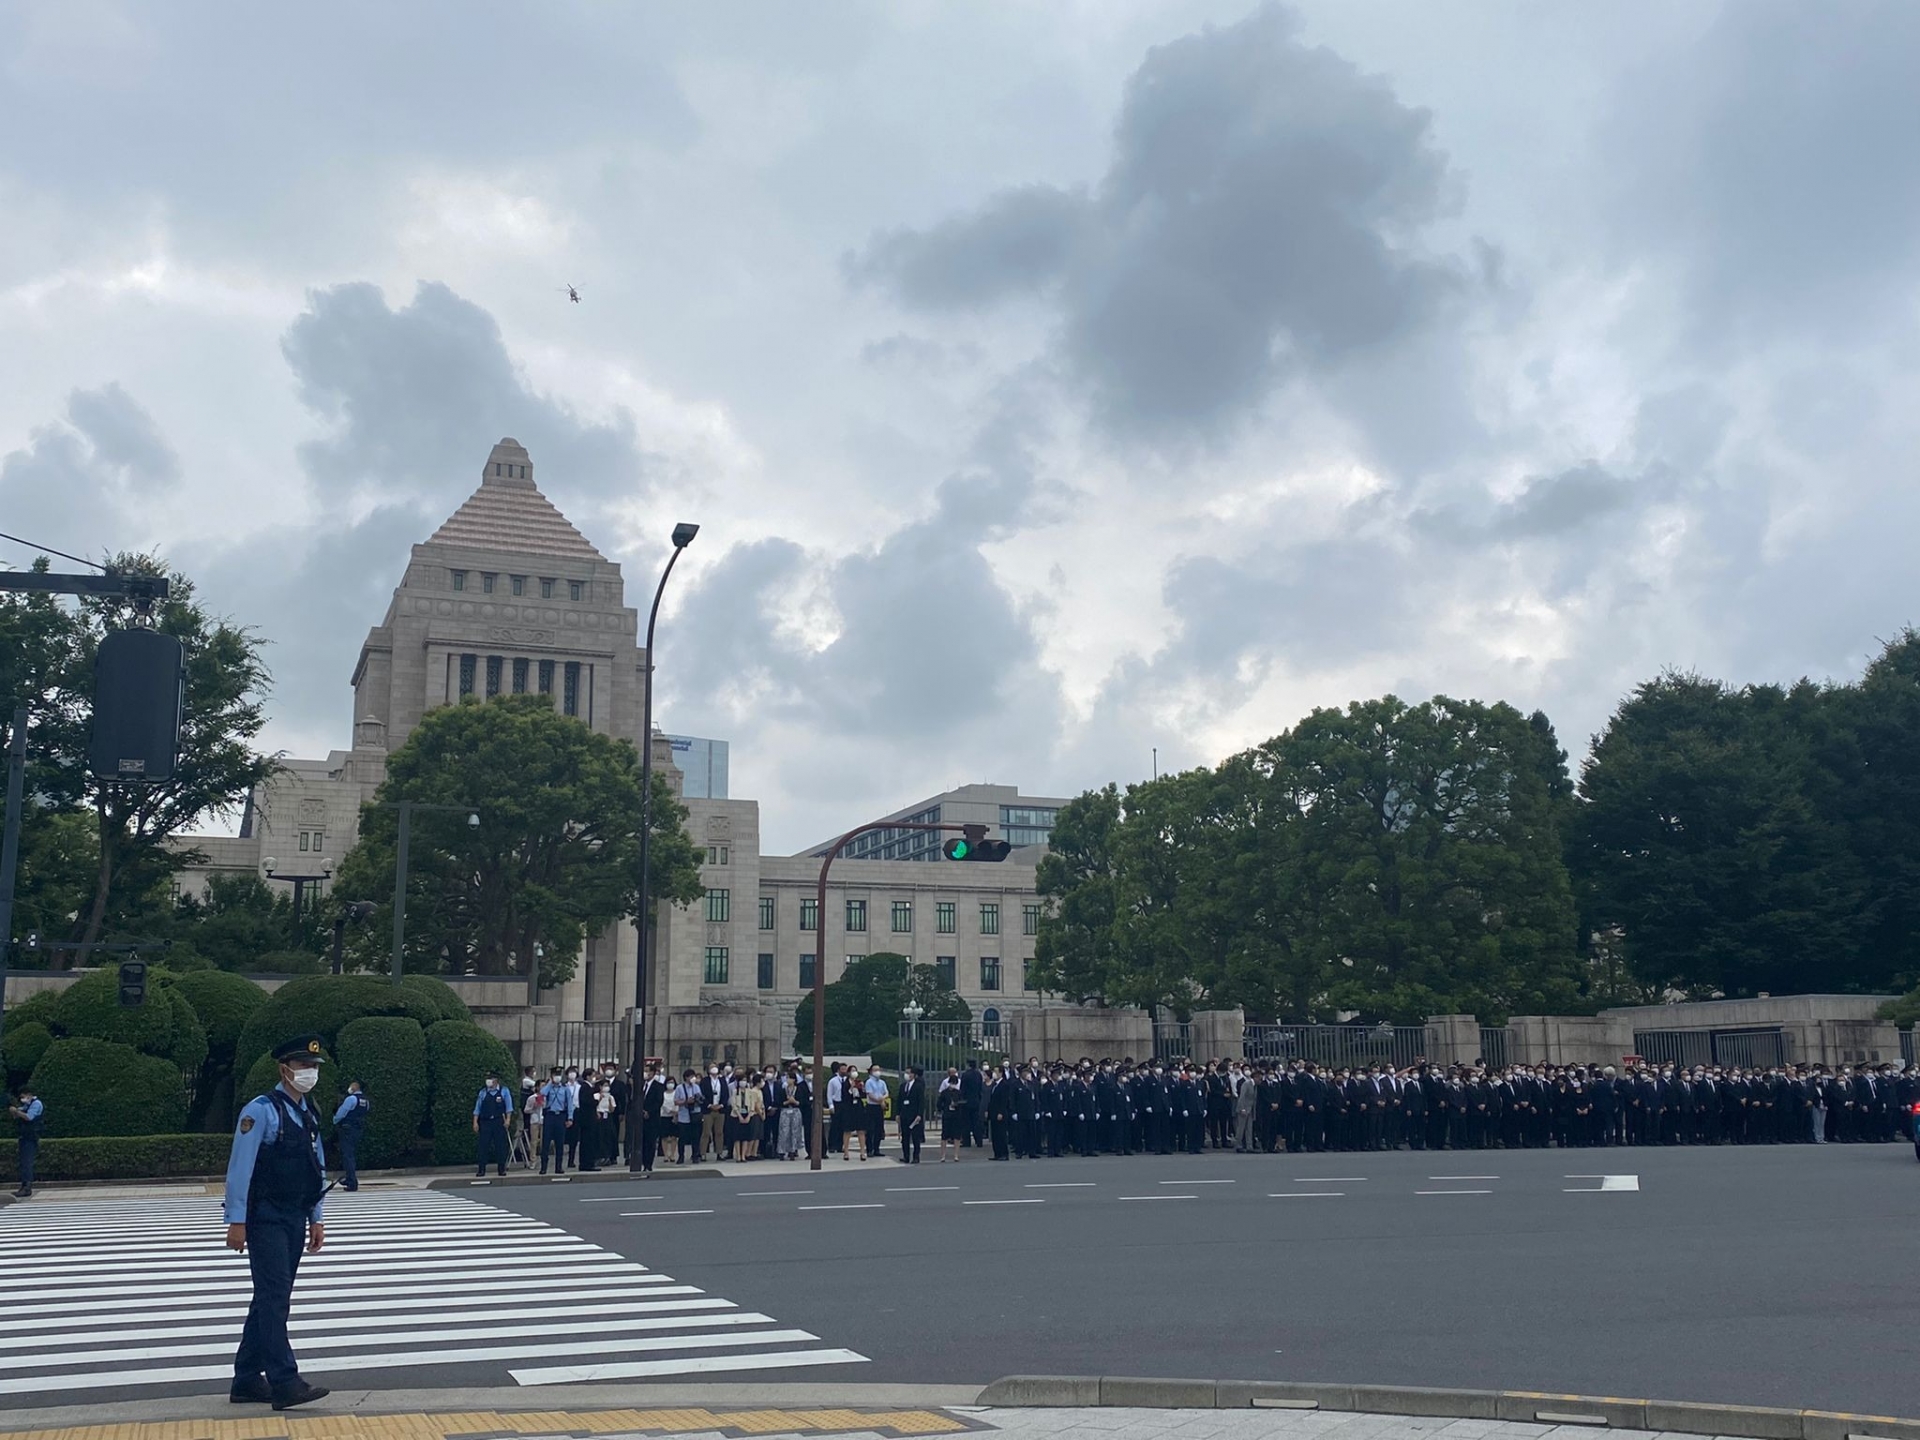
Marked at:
<point>1000,1112</point>
<point>973,1104</point>
<point>910,1109</point>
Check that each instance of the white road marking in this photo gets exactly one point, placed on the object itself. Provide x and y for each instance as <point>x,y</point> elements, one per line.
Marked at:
<point>616,1199</point>
<point>917,1189</point>
<point>635,1214</point>
<point>752,1194</point>
<point>1463,1177</point>
<point>1004,1202</point>
<point>1159,1197</point>
<point>1196,1182</point>
<point>1328,1179</point>
<point>1305,1194</point>
<point>1065,1185</point>
<point>869,1205</point>
<point>573,1374</point>
<point>1453,1192</point>
<point>1607,1183</point>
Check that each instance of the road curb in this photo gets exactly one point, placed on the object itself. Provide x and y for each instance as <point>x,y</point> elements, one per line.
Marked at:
<point>1526,1406</point>
<point>591,1177</point>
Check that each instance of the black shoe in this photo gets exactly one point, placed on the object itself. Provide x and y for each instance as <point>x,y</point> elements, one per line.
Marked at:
<point>251,1392</point>
<point>285,1397</point>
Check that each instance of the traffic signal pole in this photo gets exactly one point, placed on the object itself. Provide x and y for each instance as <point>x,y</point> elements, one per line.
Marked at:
<point>10,845</point>
<point>975,834</point>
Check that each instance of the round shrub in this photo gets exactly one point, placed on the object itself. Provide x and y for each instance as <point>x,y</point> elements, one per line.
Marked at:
<point>98,1087</point>
<point>459,1055</point>
<point>38,1006</point>
<point>387,1054</point>
<point>224,1002</point>
<point>22,1048</point>
<point>438,993</point>
<point>287,962</point>
<point>90,1009</point>
<point>324,1005</point>
<point>265,1074</point>
<point>189,1049</point>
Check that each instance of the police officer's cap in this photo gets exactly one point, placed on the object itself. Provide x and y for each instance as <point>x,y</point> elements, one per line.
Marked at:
<point>300,1047</point>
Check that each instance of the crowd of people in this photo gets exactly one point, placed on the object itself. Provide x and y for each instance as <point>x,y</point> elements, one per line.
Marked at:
<point>578,1116</point>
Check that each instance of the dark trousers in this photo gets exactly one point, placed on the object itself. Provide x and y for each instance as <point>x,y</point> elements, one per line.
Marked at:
<point>876,1129</point>
<point>649,1142</point>
<point>273,1255</point>
<point>349,1157</point>
<point>29,1152</point>
<point>689,1139</point>
<point>586,1134</point>
<point>492,1146</point>
<point>553,1140</point>
<point>911,1133</point>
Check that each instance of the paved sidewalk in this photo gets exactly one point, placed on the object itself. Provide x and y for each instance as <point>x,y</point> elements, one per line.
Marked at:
<point>335,1419</point>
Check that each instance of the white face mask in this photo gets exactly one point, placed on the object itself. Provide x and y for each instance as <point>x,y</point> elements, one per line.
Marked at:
<point>303,1079</point>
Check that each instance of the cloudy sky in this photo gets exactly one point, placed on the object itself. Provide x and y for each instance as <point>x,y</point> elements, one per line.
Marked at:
<point>1051,382</point>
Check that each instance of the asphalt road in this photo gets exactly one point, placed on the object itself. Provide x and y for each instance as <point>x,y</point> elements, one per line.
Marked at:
<point>1768,1275</point>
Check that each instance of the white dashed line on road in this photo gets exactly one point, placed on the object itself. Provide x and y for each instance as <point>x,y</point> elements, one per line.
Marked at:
<point>1463,1177</point>
<point>1063,1185</point>
<point>617,1199</point>
<point>918,1189</point>
<point>1607,1183</point>
<point>753,1194</point>
<point>870,1205</point>
<point>1453,1192</point>
<point>633,1214</point>
<point>1003,1202</point>
<point>1196,1182</point>
<point>1159,1197</point>
<point>1329,1179</point>
<point>1306,1194</point>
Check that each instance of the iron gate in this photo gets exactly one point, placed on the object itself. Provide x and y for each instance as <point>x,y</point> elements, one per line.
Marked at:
<point>591,1042</point>
<point>1335,1045</point>
<point>1493,1045</point>
<point>1172,1040</point>
<point>1906,1046</point>
<point>934,1045</point>
<point>1733,1049</point>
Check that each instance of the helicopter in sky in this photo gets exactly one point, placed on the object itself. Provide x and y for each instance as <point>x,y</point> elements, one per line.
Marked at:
<point>571,293</point>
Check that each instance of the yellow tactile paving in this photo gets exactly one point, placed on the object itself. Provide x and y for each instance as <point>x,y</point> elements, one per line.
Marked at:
<point>519,1425</point>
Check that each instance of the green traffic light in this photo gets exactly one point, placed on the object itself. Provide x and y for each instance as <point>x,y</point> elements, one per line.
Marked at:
<point>958,849</point>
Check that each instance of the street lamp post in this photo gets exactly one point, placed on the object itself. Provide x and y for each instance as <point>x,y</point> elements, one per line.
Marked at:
<point>683,534</point>
<point>358,910</point>
<point>911,1013</point>
<point>299,882</point>
<point>406,809</point>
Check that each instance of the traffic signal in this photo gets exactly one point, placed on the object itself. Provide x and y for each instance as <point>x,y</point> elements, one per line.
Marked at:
<point>133,982</point>
<point>974,845</point>
<point>139,679</point>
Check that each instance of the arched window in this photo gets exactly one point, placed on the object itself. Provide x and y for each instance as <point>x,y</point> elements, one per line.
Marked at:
<point>989,1024</point>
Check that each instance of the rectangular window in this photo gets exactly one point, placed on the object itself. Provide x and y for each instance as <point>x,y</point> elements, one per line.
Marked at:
<point>806,972</point>
<point>546,588</point>
<point>856,916</point>
<point>570,701</point>
<point>809,914</point>
<point>943,971</point>
<point>466,676</point>
<point>493,676</point>
<point>1026,976</point>
<point>486,582</point>
<point>303,839</point>
<point>546,677</point>
<point>717,855</point>
<point>1029,919</point>
<point>519,677</point>
<point>989,972</point>
<point>943,917</point>
<point>716,965</point>
<point>903,917</point>
<point>719,906</point>
<point>319,841</point>
<point>766,912</point>
<point>576,590</point>
<point>989,918</point>
<point>763,972</point>
<point>518,584</point>
<point>459,579</point>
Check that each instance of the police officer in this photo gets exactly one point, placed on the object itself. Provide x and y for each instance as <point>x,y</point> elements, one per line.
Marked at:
<point>26,1111</point>
<point>276,1177</point>
<point>490,1110</point>
<point>349,1124</point>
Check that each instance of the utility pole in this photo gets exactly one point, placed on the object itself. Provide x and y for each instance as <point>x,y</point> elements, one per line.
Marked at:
<point>10,845</point>
<point>406,809</point>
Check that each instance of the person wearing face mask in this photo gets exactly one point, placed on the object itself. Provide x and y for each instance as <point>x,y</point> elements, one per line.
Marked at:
<point>490,1110</point>
<point>276,1178</point>
<point>349,1124</point>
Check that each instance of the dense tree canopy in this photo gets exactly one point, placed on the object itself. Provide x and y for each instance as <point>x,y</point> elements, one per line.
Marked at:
<point>555,857</point>
<point>864,1004</point>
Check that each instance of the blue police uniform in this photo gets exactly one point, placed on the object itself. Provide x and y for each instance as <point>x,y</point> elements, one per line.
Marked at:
<point>490,1110</point>
<point>349,1124</point>
<point>553,1130</point>
<point>276,1178</point>
<point>28,1117</point>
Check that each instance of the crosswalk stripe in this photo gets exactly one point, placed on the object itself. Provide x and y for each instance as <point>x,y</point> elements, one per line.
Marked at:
<point>139,1296</point>
<point>692,1364</point>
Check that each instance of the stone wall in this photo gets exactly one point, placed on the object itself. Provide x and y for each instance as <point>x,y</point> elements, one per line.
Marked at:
<point>1067,1032</point>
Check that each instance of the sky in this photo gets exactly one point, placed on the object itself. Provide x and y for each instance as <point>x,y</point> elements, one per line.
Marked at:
<point>1053,384</point>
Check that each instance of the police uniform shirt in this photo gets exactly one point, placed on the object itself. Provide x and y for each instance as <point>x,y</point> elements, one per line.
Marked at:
<point>354,1108</point>
<point>260,1125</point>
<point>30,1117</point>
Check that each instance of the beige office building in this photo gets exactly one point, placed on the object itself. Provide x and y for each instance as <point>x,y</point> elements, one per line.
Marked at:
<point>508,597</point>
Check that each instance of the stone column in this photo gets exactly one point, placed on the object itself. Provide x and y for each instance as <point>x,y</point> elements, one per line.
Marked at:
<point>1219,1035</point>
<point>1453,1039</point>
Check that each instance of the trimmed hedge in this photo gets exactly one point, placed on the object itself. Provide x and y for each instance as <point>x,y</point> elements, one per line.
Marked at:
<point>325,1005</point>
<point>459,1055</point>
<point>265,1074</point>
<point>439,994</point>
<point>96,1087</point>
<point>224,1002</point>
<point>122,1157</point>
<point>22,1048</point>
<point>37,1006</point>
<point>189,1049</point>
<point>387,1054</point>
<point>91,1008</point>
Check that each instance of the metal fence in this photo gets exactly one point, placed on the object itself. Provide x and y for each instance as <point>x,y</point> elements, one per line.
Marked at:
<point>1493,1045</point>
<point>1906,1046</point>
<point>1740,1049</point>
<point>1172,1040</point>
<point>934,1045</point>
<point>591,1042</point>
<point>1337,1045</point>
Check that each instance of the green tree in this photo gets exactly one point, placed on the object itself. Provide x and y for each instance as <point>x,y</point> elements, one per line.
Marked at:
<point>553,859</point>
<point>239,921</point>
<point>864,1004</point>
<point>1075,953</point>
<point>134,825</point>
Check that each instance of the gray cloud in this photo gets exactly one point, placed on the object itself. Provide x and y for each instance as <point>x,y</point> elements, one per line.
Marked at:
<point>1260,216</point>
<point>90,482</point>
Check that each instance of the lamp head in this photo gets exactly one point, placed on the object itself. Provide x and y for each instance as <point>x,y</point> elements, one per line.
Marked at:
<point>326,867</point>
<point>473,819</point>
<point>683,534</point>
<point>272,864</point>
